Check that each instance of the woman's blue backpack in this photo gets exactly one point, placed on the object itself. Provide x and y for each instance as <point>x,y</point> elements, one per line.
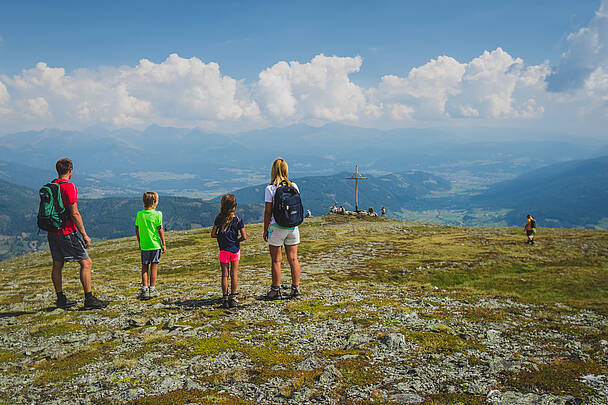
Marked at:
<point>287,206</point>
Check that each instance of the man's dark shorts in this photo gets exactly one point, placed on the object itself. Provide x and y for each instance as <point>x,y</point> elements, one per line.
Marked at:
<point>529,232</point>
<point>150,256</point>
<point>68,248</point>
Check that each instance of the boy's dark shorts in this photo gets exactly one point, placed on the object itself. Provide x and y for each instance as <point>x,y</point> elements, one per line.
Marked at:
<point>529,232</point>
<point>150,256</point>
<point>67,248</point>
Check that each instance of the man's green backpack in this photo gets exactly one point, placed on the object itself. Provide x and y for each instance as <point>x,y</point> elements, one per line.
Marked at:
<point>51,214</point>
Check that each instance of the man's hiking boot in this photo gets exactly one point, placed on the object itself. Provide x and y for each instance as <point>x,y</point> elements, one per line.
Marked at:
<point>63,302</point>
<point>225,303</point>
<point>93,302</point>
<point>273,294</point>
<point>295,292</point>
<point>232,301</point>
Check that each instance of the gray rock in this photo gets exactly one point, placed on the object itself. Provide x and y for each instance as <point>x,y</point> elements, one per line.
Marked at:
<point>407,398</point>
<point>493,336</point>
<point>170,325</point>
<point>55,353</point>
<point>310,363</point>
<point>358,339</point>
<point>170,384</point>
<point>137,322</point>
<point>191,385</point>
<point>393,342</point>
<point>329,375</point>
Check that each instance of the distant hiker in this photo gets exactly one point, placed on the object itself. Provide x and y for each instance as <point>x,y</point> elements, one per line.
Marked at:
<point>151,241</point>
<point>281,231</point>
<point>370,210</point>
<point>308,214</point>
<point>341,210</point>
<point>65,245</point>
<point>530,229</point>
<point>229,230</point>
<point>383,211</point>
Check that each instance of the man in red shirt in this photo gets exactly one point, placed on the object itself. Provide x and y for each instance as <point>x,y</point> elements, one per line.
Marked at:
<point>65,245</point>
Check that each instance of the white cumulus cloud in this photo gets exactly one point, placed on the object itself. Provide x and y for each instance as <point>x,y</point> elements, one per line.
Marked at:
<point>587,52</point>
<point>187,92</point>
<point>320,89</point>
<point>494,85</point>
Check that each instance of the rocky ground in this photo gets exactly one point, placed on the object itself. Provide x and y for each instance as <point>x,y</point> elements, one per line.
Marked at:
<point>391,312</point>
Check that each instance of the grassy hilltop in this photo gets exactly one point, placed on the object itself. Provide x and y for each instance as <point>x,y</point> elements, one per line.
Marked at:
<point>392,312</point>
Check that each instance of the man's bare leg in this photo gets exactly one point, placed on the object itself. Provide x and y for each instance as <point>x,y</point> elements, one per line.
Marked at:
<point>85,274</point>
<point>56,276</point>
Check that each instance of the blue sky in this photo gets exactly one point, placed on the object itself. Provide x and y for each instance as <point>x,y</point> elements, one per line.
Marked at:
<point>392,36</point>
<point>376,39</point>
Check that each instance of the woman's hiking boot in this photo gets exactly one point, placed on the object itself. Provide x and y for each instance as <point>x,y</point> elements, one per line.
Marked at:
<point>63,302</point>
<point>295,292</point>
<point>274,294</point>
<point>232,301</point>
<point>92,302</point>
<point>144,294</point>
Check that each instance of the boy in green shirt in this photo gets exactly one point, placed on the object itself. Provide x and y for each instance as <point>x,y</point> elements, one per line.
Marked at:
<point>151,240</point>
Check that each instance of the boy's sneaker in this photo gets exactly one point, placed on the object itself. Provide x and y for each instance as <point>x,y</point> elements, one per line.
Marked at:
<point>93,302</point>
<point>63,301</point>
<point>144,294</point>
<point>295,292</point>
<point>273,294</point>
<point>232,301</point>
<point>153,293</point>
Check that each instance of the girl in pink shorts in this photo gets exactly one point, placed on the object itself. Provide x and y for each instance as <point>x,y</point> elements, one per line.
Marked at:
<point>230,232</point>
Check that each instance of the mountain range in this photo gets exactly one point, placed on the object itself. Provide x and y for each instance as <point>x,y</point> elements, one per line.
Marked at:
<point>568,194</point>
<point>191,162</point>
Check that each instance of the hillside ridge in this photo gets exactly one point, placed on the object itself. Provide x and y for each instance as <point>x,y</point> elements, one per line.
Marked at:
<point>392,312</point>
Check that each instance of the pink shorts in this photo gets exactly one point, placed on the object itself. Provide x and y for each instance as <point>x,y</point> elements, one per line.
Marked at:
<point>226,256</point>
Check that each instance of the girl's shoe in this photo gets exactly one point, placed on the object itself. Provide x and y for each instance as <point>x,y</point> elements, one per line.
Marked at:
<point>295,292</point>
<point>153,293</point>
<point>232,301</point>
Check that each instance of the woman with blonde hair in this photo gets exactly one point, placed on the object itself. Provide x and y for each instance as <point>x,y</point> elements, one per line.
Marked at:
<point>278,236</point>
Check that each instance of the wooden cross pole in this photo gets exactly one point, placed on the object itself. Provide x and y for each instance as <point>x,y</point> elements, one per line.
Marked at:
<point>356,177</point>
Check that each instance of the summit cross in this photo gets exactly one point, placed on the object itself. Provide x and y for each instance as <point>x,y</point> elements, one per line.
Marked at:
<point>356,177</point>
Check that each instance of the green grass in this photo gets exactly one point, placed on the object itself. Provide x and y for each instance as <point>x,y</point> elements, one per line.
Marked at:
<point>181,397</point>
<point>561,377</point>
<point>64,369</point>
<point>266,354</point>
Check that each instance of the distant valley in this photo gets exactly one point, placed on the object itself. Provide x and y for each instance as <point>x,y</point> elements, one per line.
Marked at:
<point>417,174</point>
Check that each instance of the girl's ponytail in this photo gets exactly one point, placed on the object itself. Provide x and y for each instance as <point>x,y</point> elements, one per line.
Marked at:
<point>227,210</point>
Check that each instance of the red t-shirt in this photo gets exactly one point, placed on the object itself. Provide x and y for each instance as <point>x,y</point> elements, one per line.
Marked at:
<point>68,196</point>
